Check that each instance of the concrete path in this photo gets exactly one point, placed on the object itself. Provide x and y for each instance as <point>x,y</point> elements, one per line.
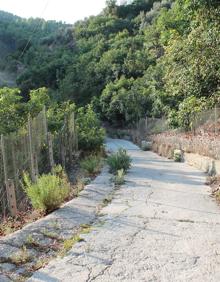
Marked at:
<point>160,226</point>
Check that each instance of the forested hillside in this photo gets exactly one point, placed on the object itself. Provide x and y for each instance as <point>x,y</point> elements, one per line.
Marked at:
<point>148,57</point>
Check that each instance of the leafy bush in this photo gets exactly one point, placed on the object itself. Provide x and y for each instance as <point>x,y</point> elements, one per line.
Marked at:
<point>49,191</point>
<point>119,160</point>
<point>91,165</point>
<point>90,134</point>
<point>177,155</point>
<point>119,179</point>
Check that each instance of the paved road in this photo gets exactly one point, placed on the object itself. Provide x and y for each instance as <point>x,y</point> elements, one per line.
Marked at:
<point>160,226</point>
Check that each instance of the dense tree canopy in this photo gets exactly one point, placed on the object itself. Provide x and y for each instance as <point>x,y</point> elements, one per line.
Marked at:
<point>142,58</point>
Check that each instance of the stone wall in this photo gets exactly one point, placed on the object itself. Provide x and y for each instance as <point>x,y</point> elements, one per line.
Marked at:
<point>198,151</point>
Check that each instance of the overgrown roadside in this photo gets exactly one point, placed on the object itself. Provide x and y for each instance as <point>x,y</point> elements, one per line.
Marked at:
<point>29,249</point>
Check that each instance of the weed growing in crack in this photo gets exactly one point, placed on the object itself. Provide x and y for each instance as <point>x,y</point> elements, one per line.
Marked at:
<point>119,178</point>
<point>85,228</point>
<point>106,201</point>
<point>21,257</point>
<point>50,234</point>
<point>68,244</point>
<point>43,261</point>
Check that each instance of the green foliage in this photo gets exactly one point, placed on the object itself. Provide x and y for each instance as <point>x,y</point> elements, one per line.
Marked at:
<point>123,101</point>
<point>49,191</point>
<point>137,59</point>
<point>91,164</point>
<point>187,113</point>
<point>119,178</point>
<point>90,134</point>
<point>57,113</point>
<point>119,160</point>
<point>11,109</point>
<point>38,99</point>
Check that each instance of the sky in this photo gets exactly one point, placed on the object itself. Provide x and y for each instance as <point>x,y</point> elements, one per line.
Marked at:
<point>68,11</point>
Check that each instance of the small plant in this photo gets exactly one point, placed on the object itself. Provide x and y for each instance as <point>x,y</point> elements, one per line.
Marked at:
<point>119,179</point>
<point>177,155</point>
<point>91,165</point>
<point>68,244</point>
<point>21,257</point>
<point>217,195</point>
<point>50,234</point>
<point>85,228</point>
<point>30,240</point>
<point>49,191</point>
<point>119,160</point>
<point>107,200</point>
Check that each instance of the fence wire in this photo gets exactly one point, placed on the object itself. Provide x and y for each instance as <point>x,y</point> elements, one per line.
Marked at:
<point>203,136</point>
<point>33,150</point>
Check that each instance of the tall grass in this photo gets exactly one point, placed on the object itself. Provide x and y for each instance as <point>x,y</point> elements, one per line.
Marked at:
<point>118,161</point>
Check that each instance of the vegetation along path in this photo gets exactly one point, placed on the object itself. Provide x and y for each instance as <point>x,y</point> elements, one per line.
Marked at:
<point>161,225</point>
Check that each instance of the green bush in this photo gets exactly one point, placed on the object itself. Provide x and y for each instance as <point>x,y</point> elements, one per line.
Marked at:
<point>119,178</point>
<point>177,155</point>
<point>49,191</point>
<point>91,165</point>
<point>90,133</point>
<point>119,160</point>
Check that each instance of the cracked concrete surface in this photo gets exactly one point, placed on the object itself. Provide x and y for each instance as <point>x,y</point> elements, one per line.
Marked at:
<point>161,225</point>
<point>48,232</point>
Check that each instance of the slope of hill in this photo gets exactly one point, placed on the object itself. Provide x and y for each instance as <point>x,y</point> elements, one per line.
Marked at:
<point>19,36</point>
<point>147,57</point>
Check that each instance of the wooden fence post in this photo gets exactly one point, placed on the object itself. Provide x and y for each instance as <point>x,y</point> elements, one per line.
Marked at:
<point>50,148</point>
<point>216,119</point>
<point>33,173</point>
<point>45,122</point>
<point>4,200</point>
<point>14,164</point>
<point>10,189</point>
<point>11,197</point>
<point>4,158</point>
<point>62,151</point>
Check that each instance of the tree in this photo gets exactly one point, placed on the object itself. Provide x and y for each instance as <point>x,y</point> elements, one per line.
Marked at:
<point>38,99</point>
<point>11,108</point>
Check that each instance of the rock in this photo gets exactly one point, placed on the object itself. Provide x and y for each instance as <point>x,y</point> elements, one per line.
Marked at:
<point>146,145</point>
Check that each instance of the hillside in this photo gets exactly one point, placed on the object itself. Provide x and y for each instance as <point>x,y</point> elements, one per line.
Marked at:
<point>150,58</point>
<point>19,37</point>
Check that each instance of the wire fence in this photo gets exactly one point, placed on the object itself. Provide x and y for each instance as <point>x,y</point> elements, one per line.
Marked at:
<point>34,150</point>
<point>201,137</point>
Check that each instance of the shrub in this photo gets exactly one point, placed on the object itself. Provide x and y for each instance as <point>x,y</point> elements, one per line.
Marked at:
<point>119,160</point>
<point>119,179</point>
<point>90,133</point>
<point>91,165</point>
<point>177,155</point>
<point>49,191</point>
<point>146,146</point>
